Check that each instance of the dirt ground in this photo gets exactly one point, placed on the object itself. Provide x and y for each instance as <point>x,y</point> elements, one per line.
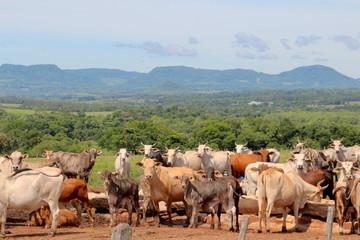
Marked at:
<point>312,228</point>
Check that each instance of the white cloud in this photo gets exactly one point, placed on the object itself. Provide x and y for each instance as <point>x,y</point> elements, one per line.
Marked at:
<point>251,41</point>
<point>303,41</point>
<point>350,42</point>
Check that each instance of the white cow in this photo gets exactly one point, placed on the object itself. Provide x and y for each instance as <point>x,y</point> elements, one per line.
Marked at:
<point>299,146</point>
<point>122,163</point>
<point>348,173</point>
<point>189,159</point>
<point>219,160</point>
<point>343,153</point>
<point>29,190</point>
<point>296,163</point>
<point>275,157</point>
<point>148,148</point>
<point>281,190</point>
<point>242,149</point>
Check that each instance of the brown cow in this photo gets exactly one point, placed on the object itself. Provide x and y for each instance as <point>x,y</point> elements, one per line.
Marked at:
<point>163,186</point>
<point>240,161</point>
<point>42,217</point>
<point>76,189</point>
<point>315,176</point>
<point>342,206</point>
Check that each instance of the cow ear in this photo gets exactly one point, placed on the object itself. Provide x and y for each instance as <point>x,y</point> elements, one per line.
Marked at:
<point>336,170</point>
<point>177,177</point>
<point>218,174</point>
<point>99,152</point>
<point>254,169</point>
<point>128,154</point>
<point>139,164</point>
<point>271,153</point>
<point>158,164</point>
<point>117,154</point>
<point>291,160</point>
<point>191,178</point>
<point>43,155</point>
<point>7,157</point>
<point>141,149</point>
<point>196,149</point>
<point>100,173</point>
<point>25,156</point>
<point>155,149</point>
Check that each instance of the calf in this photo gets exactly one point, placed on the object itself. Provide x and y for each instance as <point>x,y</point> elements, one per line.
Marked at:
<point>208,193</point>
<point>42,217</point>
<point>342,205</point>
<point>354,196</point>
<point>211,175</point>
<point>315,176</point>
<point>121,192</point>
<point>76,189</point>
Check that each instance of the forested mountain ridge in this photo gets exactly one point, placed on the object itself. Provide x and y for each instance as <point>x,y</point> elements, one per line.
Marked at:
<point>50,80</point>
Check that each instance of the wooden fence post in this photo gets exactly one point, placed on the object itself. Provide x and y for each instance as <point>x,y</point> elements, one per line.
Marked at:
<point>244,227</point>
<point>329,222</point>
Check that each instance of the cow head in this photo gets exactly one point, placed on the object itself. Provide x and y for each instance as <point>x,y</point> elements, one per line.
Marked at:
<point>318,194</point>
<point>337,145</point>
<point>123,154</point>
<point>147,149</point>
<point>150,167</point>
<point>347,170</point>
<point>47,154</point>
<point>241,148</point>
<point>106,177</point>
<point>202,149</point>
<point>299,146</point>
<point>297,160</point>
<point>93,153</point>
<point>170,154</point>
<point>265,154</point>
<point>16,160</point>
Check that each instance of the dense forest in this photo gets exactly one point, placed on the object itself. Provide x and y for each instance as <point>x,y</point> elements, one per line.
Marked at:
<point>261,118</point>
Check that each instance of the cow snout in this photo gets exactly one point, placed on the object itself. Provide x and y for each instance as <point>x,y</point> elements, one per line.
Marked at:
<point>300,167</point>
<point>15,167</point>
<point>148,176</point>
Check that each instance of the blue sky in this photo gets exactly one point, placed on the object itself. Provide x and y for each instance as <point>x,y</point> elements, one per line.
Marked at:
<point>133,35</point>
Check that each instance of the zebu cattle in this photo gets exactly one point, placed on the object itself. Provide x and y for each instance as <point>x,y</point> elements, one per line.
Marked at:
<point>276,189</point>
<point>211,175</point>
<point>155,153</point>
<point>275,156</point>
<point>342,205</point>
<point>121,192</point>
<point>163,186</point>
<point>76,190</point>
<point>122,163</point>
<point>42,216</point>
<point>348,173</point>
<point>295,163</point>
<point>315,176</point>
<point>35,188</point>
<point>242,149</point>
<point>189,159</point>
<point>314,159</point>
<point>344,154</point>
<point>240,161</point>
<point>16,161</point>
<point>73,164</point>
<point>148,148</point>
<point>331,157</point>
<point>220,160</point>
<point>299,146</point>
<point>47,154</point>
<point>208,193</point>
<point>354,196</point>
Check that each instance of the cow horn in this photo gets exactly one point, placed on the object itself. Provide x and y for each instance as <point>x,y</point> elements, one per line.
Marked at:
<point>331,139</point>
<point>177,148</point>
<point>206,143</point>
<point>236,144</point>
<point>299,140</point>
<point>306,141</point>
<point>154,144</point>
<point>319,183</point>
<point>245,144</point>
<point>342,139</point>
<point>166,148</point>
<point>142,143</point>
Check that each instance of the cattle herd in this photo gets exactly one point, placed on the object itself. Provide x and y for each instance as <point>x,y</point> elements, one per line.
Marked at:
<point>202,178</point>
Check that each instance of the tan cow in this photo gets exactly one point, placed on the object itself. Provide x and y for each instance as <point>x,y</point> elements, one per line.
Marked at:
<point>163,186</point>
<point>354,196</point>
<point>276,189</point>
<point>42,217</point>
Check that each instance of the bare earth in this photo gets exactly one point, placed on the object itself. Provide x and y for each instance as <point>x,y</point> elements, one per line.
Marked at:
<point>312,229</point>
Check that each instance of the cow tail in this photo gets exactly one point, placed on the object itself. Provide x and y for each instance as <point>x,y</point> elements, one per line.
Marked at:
<point>352,189</point>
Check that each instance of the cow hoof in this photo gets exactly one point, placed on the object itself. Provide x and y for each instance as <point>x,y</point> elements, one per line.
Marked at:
<point>297,230</point>
<point>259,231</point>
<point>341,233</point>
<point>283,229</point>
<point>51,234</point>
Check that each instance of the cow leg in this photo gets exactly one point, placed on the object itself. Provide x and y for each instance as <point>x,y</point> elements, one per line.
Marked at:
<point>129,207</point>
<point>135,204</point>
<point>358,220</point>
<point>193,220</point>
<point>219,216</point>
<point>77,205</point>
<point>296,215</point>
<point>212,212</point>
<point>88,211</point>
<point>54,208</point>
<point>168,209</point>
<point>283,229</point>
<point>188,210</point>
<point>157,211</point>
<point>112,210</point>
<point>3,213</point>
<point>268,215</point>
<point>145,205</point>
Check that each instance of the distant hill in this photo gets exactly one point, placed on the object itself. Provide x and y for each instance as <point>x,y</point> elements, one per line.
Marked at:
<point>51,81</point>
